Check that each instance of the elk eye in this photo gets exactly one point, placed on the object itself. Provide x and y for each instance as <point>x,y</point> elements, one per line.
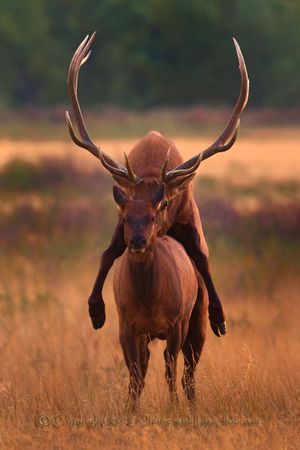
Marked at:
<point>152,218</point>
<point>164,204</point>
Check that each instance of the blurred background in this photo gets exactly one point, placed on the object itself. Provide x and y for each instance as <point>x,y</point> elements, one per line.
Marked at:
<point>167,65</point>
<point>154,53</point>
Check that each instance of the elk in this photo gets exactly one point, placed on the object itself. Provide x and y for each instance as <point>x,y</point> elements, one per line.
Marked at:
<point>153,162</point>
<point>158,295</point>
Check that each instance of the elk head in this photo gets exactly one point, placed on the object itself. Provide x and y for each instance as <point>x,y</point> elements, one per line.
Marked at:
<point>143,203</point>
<point>140,218</point>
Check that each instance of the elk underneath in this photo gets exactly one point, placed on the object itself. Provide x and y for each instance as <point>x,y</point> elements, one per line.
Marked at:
<point>154,162</point>
<point>158,295</point>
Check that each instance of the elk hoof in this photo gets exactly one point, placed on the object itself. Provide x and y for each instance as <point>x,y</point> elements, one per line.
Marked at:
<point>219,329</point>
<point>98,322</point>
<point>97,313</point>
<point>223,328</point>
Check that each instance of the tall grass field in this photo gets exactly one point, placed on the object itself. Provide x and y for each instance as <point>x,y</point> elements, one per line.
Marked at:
<point>63,385</point>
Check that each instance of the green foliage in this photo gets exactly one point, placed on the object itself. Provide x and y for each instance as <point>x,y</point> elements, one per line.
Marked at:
<point>150,53</point>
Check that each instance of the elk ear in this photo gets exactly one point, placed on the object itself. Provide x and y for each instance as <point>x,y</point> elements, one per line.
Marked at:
<point>158,196</point>
<point>120,197</point>
<point>179,185</point>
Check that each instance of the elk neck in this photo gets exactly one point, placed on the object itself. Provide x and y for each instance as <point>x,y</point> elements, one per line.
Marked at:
<point>141,272</point>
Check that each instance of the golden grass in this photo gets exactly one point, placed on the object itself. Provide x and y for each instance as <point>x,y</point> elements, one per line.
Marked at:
<point>264,152</point>
<point>64,385</point>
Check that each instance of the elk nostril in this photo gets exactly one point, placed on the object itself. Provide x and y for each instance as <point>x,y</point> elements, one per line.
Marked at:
<point>138,242</point>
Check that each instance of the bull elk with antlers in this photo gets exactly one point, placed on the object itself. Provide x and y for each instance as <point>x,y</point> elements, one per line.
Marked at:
<point>154,164</point>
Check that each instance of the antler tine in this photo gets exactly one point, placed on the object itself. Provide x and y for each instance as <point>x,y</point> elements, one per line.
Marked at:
<point>234,121</point>
<point>120,171</point>
<point>164,168</point>
<point>80,56</point>
<point>134,178</point>
<point>172,174</point>
<point>195,162</point>
<point>229,132</point>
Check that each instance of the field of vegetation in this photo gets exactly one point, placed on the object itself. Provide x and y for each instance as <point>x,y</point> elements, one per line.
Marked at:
<point>64,385</point>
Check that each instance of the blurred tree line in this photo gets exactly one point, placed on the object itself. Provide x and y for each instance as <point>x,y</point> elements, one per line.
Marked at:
<point>154,52</point>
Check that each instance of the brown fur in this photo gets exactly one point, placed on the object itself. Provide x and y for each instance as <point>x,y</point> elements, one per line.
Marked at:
<point>158,295</point>
<point>180,220</point>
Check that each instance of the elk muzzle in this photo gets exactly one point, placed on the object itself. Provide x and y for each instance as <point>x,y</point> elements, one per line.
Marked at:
<point>137,244</point>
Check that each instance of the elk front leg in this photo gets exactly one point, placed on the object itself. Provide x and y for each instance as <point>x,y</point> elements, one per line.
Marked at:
<point>171,355</point>
<point>136,355</point>
<point>95,302</point>
<point>188,236</point>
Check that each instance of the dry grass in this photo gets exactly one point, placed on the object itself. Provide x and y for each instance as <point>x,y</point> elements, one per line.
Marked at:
<point>64,385</point>
<point>56,369</point>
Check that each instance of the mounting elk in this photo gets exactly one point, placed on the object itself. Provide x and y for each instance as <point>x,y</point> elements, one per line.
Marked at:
<point>154,162</point>
<point>158,295</point>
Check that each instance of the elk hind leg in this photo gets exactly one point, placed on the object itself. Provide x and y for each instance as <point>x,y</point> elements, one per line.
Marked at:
<point>193,345</point>
<point>144,355</point>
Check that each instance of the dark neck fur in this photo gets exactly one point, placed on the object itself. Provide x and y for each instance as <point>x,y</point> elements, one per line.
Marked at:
<point>141,274</point>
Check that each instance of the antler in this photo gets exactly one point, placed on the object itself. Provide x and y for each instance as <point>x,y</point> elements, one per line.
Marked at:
<point>229,133</point>
<point>80,56</point>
